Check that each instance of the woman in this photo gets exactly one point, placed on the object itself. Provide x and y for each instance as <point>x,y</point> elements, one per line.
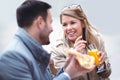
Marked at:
<point>79,34</point>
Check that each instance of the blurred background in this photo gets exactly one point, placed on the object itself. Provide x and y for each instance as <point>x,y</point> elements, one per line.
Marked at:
<point>104,14</point>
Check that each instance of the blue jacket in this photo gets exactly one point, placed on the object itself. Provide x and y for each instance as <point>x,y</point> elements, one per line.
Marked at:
<point>25,59</point>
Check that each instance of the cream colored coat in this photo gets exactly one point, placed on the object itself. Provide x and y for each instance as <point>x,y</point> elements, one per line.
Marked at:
<point>59,58</point>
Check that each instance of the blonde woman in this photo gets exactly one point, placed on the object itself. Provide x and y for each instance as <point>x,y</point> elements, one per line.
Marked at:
<point>78,34</point>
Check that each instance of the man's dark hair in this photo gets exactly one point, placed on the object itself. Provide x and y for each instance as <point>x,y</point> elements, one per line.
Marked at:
<point>30,10</point>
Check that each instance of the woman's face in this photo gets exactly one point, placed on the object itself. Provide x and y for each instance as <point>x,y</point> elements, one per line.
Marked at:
<point>72,27</point>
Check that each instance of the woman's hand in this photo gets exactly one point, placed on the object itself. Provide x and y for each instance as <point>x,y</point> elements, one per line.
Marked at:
<point>79,44</point>
<point>102,58</point>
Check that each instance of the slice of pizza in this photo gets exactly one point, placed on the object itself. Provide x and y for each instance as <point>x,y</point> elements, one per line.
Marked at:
<point>84,60</point>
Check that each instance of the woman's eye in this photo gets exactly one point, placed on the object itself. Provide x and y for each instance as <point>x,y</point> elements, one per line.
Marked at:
<point>73,22</point>
<point>64,24</point>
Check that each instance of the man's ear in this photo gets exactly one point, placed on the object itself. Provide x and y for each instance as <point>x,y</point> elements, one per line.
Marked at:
<point>40,21</point>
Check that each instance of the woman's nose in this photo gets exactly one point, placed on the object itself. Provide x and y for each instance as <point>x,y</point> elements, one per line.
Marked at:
<point>69,27</point>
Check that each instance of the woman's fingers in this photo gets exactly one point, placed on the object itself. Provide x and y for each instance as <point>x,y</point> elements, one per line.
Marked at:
<point>78,39</point>
<point>79,44</point>
<point>102,57</point>
<point>80,48</point>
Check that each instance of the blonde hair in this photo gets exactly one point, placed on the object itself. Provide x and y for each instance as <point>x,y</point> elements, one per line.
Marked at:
<point>91,34</point>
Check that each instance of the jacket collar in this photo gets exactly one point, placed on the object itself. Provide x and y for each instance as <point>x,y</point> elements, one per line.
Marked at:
<point>35,48</point>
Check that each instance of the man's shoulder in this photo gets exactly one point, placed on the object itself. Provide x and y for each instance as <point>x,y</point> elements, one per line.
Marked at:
<point>14,49</point>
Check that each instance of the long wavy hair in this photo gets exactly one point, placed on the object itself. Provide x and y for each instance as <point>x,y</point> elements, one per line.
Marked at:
<point>90,33</point>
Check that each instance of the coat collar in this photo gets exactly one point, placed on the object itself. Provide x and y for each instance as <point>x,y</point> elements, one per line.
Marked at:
<point>35,48</point>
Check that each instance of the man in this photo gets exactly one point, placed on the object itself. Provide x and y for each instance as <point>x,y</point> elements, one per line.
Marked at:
<point>25,58</point>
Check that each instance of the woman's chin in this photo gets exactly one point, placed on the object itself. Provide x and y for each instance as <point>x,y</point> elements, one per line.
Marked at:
<point>72,39</point>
